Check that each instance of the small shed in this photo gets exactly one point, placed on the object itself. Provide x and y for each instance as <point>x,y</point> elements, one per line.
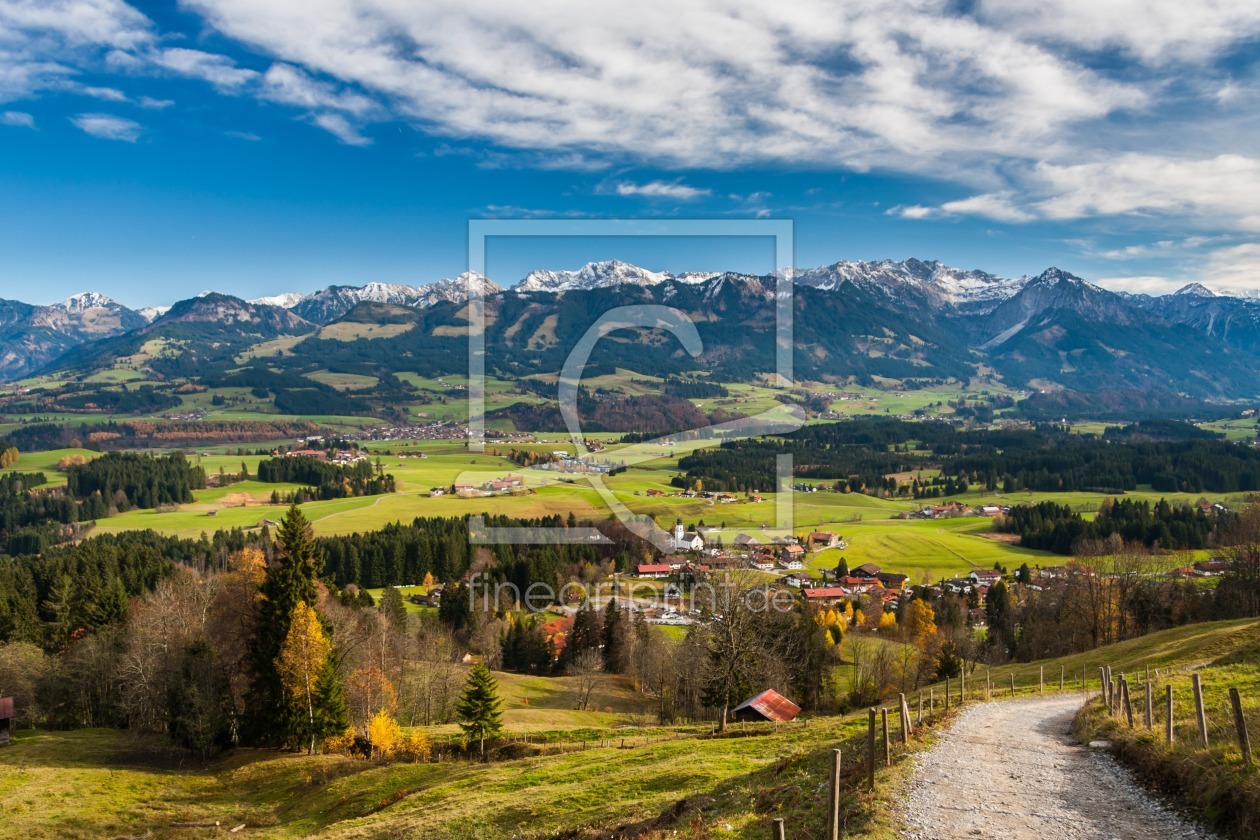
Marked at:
<point>768,705</point>
<point>6,719</point>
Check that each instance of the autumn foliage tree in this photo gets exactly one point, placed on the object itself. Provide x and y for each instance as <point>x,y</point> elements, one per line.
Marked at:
<point>309,681</point>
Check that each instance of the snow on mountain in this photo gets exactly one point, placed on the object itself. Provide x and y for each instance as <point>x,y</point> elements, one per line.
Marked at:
<point>1194,290</point>
<point>152,313</point>
<point>285,300</point>
<point>88,300</point>
<point>595,275</point>
<point>456,290</point>
<point>970,290</point>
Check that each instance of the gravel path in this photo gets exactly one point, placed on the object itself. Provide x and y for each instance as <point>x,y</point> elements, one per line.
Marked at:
<point>1012,770</point>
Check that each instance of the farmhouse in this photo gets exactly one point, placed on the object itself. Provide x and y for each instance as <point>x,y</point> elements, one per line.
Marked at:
<point>747,543</point>
<point>823,539</point>
<point>800,580</point>
<point>988,577</point>
<point>1211,568</point>
<point>891,580</point>
<point>769,705</point>
<point>867,570</point>
<point>653,570</point>
<point>825,594</point>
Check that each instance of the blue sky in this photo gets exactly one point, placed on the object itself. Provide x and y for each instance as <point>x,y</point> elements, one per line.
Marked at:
<point>154,150</point>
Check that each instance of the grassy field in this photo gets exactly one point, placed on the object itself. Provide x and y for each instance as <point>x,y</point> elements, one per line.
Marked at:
<point>922,549</point>
<point>96,783</point>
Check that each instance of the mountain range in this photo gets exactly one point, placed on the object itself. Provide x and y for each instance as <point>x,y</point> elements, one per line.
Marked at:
<point>856,321</point>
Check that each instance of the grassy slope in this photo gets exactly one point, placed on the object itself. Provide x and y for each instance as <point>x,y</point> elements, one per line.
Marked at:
<point>1213,781</point>
<point>740,781</point>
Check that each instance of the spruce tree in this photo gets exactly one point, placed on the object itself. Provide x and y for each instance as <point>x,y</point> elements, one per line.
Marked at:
<point>289,582</point>
<point>614,638</point>
<point>479,706</point>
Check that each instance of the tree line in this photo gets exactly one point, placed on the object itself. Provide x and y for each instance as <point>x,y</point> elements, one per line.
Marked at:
<point>1050,526</point>
<point>862,453</point>
<point>130,480</point>
<point>328,480</point>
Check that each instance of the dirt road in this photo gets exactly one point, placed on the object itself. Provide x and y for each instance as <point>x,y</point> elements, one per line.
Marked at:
<point>1011,770</point>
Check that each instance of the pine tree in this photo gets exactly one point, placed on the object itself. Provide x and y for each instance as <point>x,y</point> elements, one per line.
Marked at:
<point>614,638</point>
<point>479,706</point>
<point>393,608</point>
<point>290,581</point>
<point>585,633</point>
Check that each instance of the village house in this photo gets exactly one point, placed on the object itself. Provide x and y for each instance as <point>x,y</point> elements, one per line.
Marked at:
<point>1211,568</point>
<point>987,577</point>
<point>825,594</point>
<point>799,580</point>
<point>822,539</point>
<point>867,570</point>
<point>653,570</point>
<point>746,543</point>
<point>892,580</point>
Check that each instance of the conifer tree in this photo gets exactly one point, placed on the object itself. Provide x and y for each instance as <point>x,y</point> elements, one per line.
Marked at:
<point>290,581</point>
<point>479,706</point>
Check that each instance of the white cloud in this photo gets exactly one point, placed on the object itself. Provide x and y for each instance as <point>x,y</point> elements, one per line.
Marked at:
<point>1141,284</point>
<point>675,191</point>
<point>1234,269</point>
<point>17,118</point>
<point>154,104</point>
<point>722,83</point>
<point>340,127</point>
<point>107,93</point>
<point>1219,192</point>
<point>108,127</point>
<point>288,85</point>
<point>1155,31</point>
<point>219,70</point>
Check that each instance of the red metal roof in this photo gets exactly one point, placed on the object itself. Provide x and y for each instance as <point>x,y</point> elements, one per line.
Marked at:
<point>825,592</point>
<point>654,568</point>
<point>772,705</point>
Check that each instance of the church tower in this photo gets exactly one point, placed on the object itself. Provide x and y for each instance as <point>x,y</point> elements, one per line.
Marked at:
<point>678,534</point>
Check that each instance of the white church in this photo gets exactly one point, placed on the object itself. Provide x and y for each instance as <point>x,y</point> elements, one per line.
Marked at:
<point>685,540</point>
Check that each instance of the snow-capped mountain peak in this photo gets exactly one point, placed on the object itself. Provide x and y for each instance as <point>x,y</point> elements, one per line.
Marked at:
<point>87,300</point>
<point>285,300</point>
<point>593,275</point>
<point>1195,290</point>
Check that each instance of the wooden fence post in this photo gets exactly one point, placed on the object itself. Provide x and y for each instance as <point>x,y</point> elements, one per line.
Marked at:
<point>870,738</point>
<point>920,720</point>
<point>835,795</point>
<point>947,694</point>
<point>1041,680</point>
<point>778,829</point>
<point>962,685</point>
<point>1198,709</point>
<point>903,711</point>
<point>1128,701</point>
<point>1240,723</point>
<point>1102,683</point>
<point>988,684</point>
<point>1062,676</point>
<point>1012,683</point>
<point>1168,721</point>
<point>1150,705</point>
<point>932,702</point>
<point>883,719</point>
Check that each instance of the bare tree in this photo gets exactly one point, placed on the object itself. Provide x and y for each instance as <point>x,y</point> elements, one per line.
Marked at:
<point>585,669</point>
